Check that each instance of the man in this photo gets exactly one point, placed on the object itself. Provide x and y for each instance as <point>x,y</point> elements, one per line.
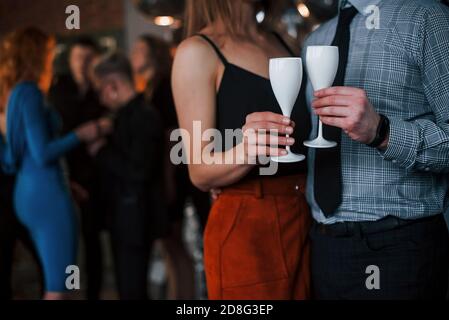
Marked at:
<point>378,197</point>
<point>75,99</point>
<point>132,164</point>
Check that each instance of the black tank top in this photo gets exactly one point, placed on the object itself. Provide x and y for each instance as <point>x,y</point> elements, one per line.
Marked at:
<point>242,92</point>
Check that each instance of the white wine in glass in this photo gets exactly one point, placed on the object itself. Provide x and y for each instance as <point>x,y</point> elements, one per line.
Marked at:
<point>286,79</point>
<point>322,66</point>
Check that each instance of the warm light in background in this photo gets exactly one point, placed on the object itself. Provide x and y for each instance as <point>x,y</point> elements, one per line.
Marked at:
<point>260,17</point>
<point>164,21</point>
<point>303,10</point>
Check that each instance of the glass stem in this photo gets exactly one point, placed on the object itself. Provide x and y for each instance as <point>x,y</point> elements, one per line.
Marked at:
<point>320,129</point>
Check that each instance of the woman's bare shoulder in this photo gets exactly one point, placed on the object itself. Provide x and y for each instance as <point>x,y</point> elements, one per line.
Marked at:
<point>195,48</point>
<point>195,57</point>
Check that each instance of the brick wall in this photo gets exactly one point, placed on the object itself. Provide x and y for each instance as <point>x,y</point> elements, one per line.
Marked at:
<point>96,15</point>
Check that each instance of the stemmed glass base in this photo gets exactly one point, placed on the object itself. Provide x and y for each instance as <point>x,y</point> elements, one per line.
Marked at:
<point>320,143</point>
<point>290,157</point>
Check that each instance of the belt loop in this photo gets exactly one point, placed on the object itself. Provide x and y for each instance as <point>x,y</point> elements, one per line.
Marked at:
<point>258,189</point>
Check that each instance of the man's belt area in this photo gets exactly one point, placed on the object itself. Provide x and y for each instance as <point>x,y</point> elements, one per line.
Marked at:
<point>346,229</point>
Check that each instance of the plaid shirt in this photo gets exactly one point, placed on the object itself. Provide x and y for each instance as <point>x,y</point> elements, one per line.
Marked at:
<point>404,68</point>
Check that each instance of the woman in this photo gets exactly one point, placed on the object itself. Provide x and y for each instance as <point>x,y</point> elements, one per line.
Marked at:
<point>41,198</point>
<point>151,61</point>
<point>255,242</point>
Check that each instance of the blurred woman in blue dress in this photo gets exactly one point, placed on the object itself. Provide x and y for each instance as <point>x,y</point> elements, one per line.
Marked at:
<point>31,149</point>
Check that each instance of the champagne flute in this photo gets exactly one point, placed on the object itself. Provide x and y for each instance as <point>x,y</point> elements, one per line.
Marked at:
<point>285,79</point>
<point>322,65</point>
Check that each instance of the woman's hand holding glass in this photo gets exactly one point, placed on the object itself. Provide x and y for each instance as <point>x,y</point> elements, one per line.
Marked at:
<point>264,135</point>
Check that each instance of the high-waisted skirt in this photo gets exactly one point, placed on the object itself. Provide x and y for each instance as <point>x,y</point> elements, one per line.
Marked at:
<point>256,243</point>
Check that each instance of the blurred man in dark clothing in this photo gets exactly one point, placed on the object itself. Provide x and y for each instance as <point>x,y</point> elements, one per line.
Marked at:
<point>75,99</point>
<point>132,162</point>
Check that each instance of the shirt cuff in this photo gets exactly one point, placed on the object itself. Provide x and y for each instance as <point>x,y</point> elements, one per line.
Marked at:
<point>403,143</point>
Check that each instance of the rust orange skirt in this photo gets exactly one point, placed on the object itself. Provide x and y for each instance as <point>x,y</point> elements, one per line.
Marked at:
<point>256,243</point>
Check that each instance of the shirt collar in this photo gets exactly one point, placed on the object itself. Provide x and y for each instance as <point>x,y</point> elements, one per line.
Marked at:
<point>360,5</point>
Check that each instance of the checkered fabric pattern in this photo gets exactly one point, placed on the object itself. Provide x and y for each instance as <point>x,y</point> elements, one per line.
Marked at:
<point>404,68</point>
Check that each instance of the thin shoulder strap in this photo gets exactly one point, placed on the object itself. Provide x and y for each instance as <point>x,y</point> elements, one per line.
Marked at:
<point>283,43</point>
<point>215,47</point>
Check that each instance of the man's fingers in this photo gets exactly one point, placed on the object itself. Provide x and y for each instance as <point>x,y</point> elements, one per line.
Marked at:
<point>333,111</point>
<point>334,101</point>
<point>343,91</point>
<point>334,121</point>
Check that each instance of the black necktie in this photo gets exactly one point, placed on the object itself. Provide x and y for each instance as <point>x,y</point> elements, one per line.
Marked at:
<point>327,175</point>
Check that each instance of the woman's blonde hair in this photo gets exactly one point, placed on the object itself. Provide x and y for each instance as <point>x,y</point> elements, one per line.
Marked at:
<point>23,55</point>
<point>201,13</point>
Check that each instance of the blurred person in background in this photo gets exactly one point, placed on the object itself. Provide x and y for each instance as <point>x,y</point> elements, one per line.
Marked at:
<point>11,230</point>
<point>74,97</point>
<point>151,61</point>
<point>33,151</point>
<point>256,243</point>
<point>132,160</point>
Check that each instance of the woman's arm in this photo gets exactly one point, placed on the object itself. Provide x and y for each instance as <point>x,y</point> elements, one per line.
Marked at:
<point>43,147</point>
<point>194,88</point>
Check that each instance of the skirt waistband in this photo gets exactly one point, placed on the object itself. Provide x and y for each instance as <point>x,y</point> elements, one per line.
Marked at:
<point>279,186</point>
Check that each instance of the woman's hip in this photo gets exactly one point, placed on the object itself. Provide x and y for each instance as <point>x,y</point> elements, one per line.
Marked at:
<point>257,231</point>
<point>49,202</point>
